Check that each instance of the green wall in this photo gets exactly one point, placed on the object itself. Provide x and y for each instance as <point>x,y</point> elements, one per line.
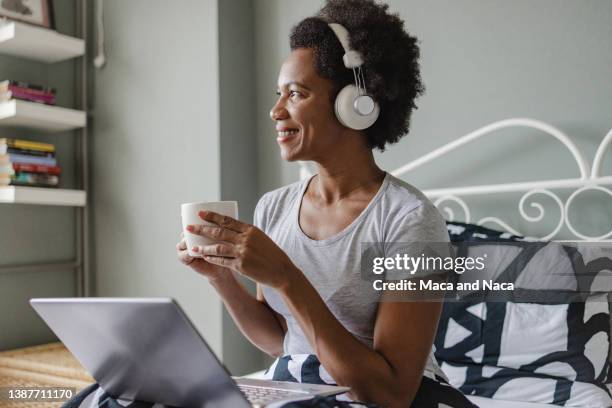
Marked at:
<point>238,150</point>
<point>482,61</point>
<point>155,146</point>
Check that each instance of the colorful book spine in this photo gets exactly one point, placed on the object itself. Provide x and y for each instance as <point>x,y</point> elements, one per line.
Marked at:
<point>32,179</point>
<point>37,168</point>
<point>26,96</point>
<point>29,152</point>
<point>25,159</point>
<point>30,91</point>
<point>7,83</point>
<point>26,144</point>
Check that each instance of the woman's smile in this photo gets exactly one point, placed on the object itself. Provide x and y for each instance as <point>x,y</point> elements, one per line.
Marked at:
<point>286,134</point>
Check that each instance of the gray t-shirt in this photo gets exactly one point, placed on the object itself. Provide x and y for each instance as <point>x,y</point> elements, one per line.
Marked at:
<point>398,213</point>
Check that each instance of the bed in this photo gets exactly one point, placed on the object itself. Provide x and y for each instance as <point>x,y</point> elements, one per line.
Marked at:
<point>534,352</point>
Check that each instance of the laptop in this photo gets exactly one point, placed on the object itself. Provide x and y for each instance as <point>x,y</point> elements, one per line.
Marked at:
<point>147,349</point>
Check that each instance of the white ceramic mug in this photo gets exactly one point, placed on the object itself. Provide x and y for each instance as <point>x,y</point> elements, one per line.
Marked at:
<point>189,215</point>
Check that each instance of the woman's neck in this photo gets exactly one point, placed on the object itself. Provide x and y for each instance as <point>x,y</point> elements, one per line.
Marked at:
<point>346,175</point>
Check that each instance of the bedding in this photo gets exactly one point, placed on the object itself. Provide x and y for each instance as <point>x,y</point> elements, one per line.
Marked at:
<point>434,391</point>
<point>483,402</point>
<point>546,342</point>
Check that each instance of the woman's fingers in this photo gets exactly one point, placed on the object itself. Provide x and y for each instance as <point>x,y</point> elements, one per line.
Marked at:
<point>185,258</point>
<point>218,250</point>
<point>181,246</point>
<point>216,233</point>
<point>221,261</point>
<point>223,221</point>
<point>183,254</point>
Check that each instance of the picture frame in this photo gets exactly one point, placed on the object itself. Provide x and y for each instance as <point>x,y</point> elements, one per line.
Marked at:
<point>36,12</point>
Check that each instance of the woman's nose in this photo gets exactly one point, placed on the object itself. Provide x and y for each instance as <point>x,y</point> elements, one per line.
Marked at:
<point>278,112</point>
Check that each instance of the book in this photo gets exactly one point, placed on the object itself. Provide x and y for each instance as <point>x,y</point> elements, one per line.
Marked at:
<point>12,168</point>
<point>25,159</point>
<point>29,91</point>
<point>29,152</point>
<point>36,168</point>
<point>5,86</point>
<point>26,96</point>
<point>29,179</point>
<point>26,144</point>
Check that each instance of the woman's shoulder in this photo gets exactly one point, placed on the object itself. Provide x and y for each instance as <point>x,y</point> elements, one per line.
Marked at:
<point>403,197</point>
<point>276,203</point>
<point>282,194</point>
<point>407,208</point>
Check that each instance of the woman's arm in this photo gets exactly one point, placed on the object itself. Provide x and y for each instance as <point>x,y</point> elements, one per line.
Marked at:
<point>255,319</point>
<point>253,316</point>
<point>388,375</point>
<point>279,318</point>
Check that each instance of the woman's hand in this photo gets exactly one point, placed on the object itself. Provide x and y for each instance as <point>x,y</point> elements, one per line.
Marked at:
<point>243,248</point>
<point>207,269</point>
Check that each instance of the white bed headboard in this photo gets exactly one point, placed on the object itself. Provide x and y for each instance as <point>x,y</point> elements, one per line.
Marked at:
<point>589,179</point>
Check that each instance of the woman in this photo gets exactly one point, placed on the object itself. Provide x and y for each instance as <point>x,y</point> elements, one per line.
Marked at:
<point>304,249</point>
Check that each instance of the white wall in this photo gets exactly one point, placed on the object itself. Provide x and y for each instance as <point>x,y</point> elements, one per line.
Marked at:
<point>155,145</point>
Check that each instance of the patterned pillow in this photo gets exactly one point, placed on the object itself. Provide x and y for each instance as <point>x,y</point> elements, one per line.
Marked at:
<point>547,350</point>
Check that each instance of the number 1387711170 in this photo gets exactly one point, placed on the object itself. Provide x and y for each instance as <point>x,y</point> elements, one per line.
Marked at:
<point>31,394</point>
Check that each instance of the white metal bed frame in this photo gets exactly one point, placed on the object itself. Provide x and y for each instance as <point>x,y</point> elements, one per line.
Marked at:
<point>589,179</point>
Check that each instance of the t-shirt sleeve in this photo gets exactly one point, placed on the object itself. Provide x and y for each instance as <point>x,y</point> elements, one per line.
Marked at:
<point>417,233</point>
<point>259,218</point>
<point>421,224</point>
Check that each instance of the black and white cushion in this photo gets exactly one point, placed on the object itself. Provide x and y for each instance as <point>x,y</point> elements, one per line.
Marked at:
<point>549,345</point>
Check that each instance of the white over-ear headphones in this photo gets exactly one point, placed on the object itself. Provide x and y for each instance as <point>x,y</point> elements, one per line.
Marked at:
<point>354,108</point>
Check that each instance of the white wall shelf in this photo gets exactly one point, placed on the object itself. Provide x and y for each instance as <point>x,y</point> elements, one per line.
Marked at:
<point>37,43</point>
<point>42,196</point>
<point>38,116</point>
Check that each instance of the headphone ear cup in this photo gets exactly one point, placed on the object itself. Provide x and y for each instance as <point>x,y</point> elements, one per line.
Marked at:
<point>346,113</point>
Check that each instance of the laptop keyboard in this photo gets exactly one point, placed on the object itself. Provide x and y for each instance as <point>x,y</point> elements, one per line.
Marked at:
<point>259,396</point>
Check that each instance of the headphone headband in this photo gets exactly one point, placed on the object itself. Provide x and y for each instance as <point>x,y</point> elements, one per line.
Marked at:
<point>351,58</point>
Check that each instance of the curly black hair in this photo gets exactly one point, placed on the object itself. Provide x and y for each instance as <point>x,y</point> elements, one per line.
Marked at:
<point>391,60</point>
